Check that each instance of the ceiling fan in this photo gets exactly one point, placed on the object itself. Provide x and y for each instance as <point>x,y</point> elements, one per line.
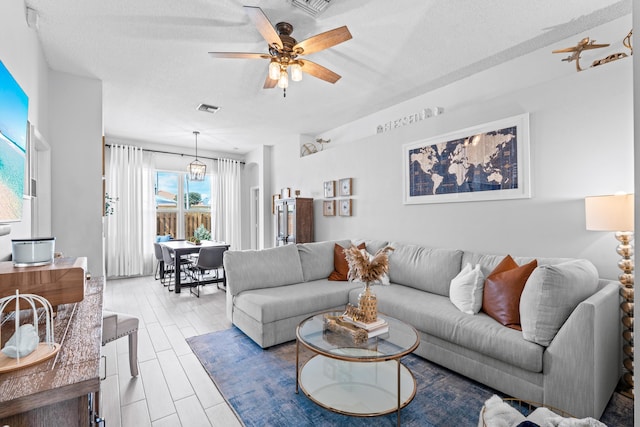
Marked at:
<point>285,52</point>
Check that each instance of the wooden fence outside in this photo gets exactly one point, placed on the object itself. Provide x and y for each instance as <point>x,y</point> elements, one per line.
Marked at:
<point>167,223</point>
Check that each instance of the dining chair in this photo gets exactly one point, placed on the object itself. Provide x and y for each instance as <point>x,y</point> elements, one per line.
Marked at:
<point>209,261</point>
<point>169,266</point>
<point>157,250</point>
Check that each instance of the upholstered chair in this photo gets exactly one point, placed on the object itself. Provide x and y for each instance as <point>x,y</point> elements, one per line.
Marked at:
<point>117,325</point>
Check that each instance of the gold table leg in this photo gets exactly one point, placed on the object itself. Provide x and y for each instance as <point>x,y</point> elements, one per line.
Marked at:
<point>297,364</point>
<point>399,403</point>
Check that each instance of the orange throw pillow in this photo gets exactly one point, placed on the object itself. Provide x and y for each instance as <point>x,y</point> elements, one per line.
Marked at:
<point>502,290</point>
<point>340,265</point>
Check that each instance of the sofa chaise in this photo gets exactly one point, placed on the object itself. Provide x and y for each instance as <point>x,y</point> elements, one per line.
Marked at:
<point>574,367</point>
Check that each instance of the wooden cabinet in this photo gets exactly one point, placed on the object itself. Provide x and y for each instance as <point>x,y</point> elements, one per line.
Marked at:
<point>294,221</point>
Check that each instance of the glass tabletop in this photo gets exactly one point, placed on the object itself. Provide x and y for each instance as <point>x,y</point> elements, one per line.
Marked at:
<point>399,340</point>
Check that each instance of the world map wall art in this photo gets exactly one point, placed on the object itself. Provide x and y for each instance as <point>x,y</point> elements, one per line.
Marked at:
<point>486,162</point>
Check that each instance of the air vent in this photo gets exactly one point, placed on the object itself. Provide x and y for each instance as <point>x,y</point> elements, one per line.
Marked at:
<point>208,108</point>
<point>312,7</point>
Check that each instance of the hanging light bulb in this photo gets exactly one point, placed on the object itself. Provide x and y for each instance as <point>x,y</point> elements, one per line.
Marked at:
<point>283,82</point>
<point>296,71</point>
<point>274,70</point>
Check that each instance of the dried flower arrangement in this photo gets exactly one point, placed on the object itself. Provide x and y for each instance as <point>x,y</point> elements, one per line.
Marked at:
<point>366,270</point>
<point>369,270</point>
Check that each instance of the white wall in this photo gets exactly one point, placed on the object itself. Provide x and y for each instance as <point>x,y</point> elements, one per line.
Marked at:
<point>75,108</point>
<point>67,111</point>
<point>258,162</point>
<point>581,133</point>
<point>21,53</point>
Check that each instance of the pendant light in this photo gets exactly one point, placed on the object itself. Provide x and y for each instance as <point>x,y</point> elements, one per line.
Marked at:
<point>197,169</point>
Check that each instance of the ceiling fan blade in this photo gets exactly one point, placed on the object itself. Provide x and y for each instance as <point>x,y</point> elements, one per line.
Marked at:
<point>263,25</point>
<point>323,40</point>
<point>269,83</point>
<point>240,55</point>
<point>319,71</point>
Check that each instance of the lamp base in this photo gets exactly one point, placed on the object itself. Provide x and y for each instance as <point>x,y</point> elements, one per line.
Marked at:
<point>624,389</point>
<point>626,278</point>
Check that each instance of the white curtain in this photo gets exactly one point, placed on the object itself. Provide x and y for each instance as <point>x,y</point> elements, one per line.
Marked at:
<point>227,202</point>
<point>130,228</point>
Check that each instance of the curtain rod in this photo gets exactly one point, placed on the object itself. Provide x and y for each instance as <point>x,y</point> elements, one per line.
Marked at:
<point>179,154</point>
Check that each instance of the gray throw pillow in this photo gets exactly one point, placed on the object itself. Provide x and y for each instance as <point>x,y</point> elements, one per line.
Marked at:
<point>317,258</point>
<point>551,294</point>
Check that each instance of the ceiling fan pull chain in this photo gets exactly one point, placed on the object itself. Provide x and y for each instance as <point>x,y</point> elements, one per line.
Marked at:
<point>284,92</point>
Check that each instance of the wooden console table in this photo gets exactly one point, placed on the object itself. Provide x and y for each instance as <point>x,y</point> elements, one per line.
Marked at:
<point>63,390</point>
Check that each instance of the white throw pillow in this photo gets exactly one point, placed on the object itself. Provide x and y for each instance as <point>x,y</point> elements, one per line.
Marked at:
<point>551,294</point>
<point>466,289</point>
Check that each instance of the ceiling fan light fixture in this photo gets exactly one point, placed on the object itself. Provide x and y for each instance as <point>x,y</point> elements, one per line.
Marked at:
<point>296,72</point>
<point>283,81</point>
<point>283,49</point>
<point>274,69</point>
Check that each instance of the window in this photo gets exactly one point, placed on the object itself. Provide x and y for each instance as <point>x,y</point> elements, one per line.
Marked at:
<point>181,219</point>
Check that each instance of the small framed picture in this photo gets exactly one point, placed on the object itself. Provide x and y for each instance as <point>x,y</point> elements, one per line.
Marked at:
<point>285,193</point>
<point>329,208</point>
<point>329,189</point>
<point>345,207</point>
<point>345,187</point>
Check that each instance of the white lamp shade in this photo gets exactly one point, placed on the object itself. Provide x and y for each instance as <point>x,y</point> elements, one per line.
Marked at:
<point>609,213</point>
<point>296,72</point>
<point>274,70</point>
<point>283,82</point>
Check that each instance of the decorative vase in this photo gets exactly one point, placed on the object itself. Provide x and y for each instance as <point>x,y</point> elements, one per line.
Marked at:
<point>368,304</point>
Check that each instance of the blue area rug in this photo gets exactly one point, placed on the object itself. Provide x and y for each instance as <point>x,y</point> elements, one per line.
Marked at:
<point>260,386</point>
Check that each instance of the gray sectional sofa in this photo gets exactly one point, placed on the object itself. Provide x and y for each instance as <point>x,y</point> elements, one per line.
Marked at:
<point>269,292</point>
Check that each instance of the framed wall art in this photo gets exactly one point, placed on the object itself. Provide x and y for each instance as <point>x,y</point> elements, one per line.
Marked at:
<point>344,207</point>
<point>345,186</point>
<point>485,162</point>
<point>329,189</point>
<point>329,208</point>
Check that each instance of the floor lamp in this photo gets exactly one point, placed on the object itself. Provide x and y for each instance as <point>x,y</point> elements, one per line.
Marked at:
<point>615,213</point>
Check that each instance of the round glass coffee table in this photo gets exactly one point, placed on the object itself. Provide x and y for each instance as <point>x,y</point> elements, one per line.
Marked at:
<point>361,379</point>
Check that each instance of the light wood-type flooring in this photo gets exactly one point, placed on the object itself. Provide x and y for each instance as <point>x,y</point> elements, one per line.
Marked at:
<point>173,389</point>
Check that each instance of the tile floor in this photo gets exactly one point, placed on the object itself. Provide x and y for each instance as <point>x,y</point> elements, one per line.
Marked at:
<point>172,389</point>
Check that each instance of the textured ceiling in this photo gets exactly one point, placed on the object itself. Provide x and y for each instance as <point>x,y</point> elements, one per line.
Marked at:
<point>151,56</point>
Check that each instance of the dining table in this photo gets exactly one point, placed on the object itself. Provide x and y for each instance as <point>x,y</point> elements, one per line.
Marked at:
<point>181,248</point>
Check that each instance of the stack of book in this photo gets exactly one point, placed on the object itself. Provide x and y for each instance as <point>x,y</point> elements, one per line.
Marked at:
<point>373,329</point>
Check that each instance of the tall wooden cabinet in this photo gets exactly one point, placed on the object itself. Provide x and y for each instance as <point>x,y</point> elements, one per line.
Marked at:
<point>294,220</point>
